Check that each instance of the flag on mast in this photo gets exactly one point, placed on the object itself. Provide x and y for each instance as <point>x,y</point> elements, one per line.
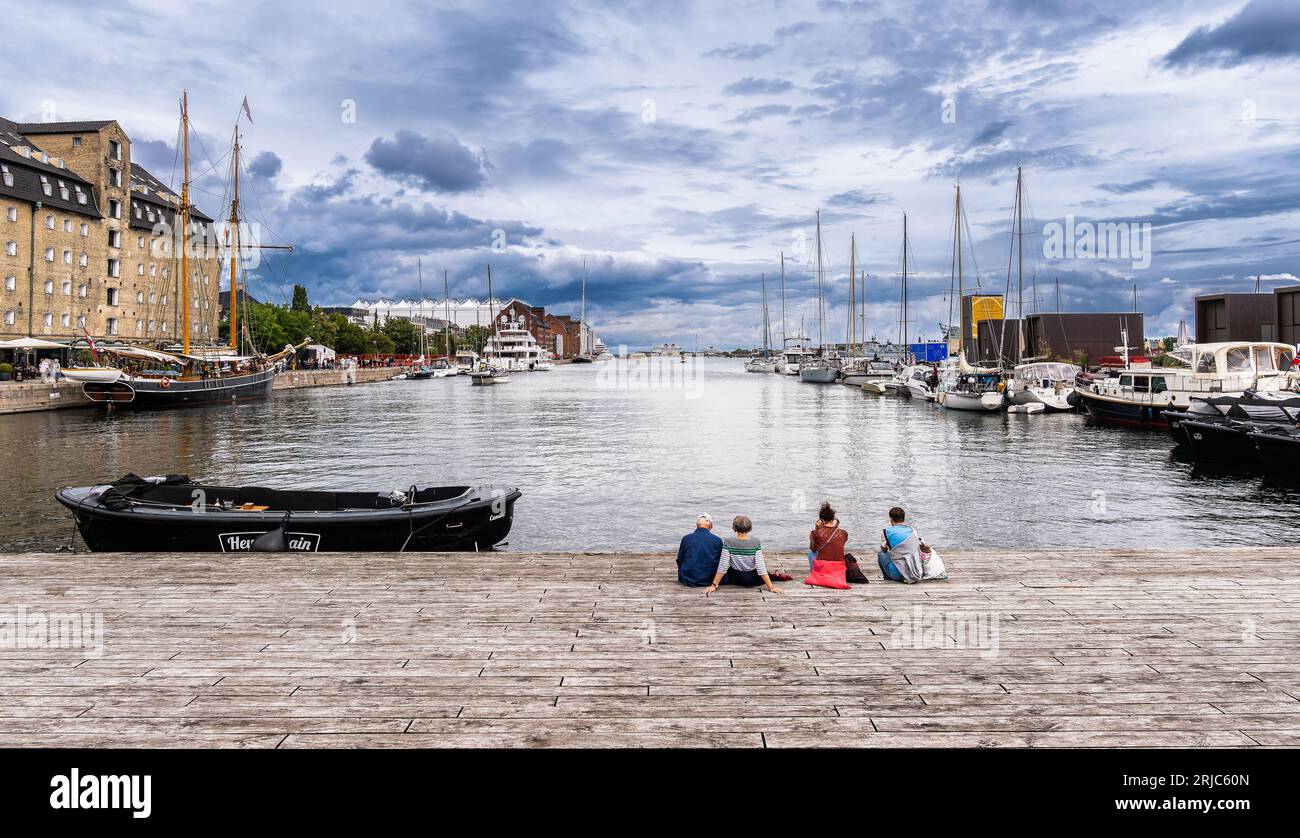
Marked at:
<point>247,112</point>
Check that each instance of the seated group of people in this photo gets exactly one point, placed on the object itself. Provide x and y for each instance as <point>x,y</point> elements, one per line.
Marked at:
<point>708,561</point>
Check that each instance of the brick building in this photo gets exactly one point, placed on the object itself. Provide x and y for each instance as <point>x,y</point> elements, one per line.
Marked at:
<point>87,240</point>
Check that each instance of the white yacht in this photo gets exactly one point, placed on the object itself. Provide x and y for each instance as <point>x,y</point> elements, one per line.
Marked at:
<point>1048,383</point>
<point>1135,395</point>
<point>963,387</point>
<point>466,360</point>
<point>794,355</point>
<point>515,350</point>
<point>859,371</point>
<point>823,369</point>
<point>914,382</point>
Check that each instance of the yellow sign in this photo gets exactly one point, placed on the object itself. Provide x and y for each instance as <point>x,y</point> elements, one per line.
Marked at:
<point>982,309</point>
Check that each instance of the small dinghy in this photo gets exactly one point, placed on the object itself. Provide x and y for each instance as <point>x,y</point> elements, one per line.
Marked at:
<point>176,514</point>
<point>1030,407</point>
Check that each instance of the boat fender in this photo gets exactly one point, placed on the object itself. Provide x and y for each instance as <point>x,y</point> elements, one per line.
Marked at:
<point>165,383</point>
<point>1073,399</point>
<point>271,542</point>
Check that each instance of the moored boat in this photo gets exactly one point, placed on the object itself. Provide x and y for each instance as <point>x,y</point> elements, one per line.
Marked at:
<point>175,514</point>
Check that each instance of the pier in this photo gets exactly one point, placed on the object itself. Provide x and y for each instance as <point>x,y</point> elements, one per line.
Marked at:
<point>1092,648</point>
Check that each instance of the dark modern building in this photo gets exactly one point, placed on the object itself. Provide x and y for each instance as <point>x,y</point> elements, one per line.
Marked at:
<point>1060,336</point>
<point>1221,317</point>
<point>1287,310</point>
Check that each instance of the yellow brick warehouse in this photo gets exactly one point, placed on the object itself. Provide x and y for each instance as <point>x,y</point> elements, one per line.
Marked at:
<point>86,240</point>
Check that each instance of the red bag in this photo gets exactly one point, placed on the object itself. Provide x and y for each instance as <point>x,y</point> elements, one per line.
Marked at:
<point>827,575</point>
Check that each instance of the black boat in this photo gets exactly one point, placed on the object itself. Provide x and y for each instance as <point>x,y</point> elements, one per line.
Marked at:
<point>176,514</point>
<point>165,391</point>
<point>1278,448</point>
<point>1248,408</point>
<point>1223,441</point>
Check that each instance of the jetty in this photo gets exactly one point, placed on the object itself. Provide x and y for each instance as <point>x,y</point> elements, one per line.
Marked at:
<point>1080,648</point>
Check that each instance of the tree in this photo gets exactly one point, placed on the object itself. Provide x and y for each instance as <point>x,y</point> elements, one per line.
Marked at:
<point>1168,344</point>
<point>404,334</point>
<point>476,336</point>
<point>300,299</point>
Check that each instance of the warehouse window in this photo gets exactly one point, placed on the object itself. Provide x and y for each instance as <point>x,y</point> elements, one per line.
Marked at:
<point>12,213</point>
<point>85,230</point>
<point>49,286</point>
<point>66,320</point>
<point>112,325</point>
<point>11,248</point>
<point>49,254</point>
<point>9,317</point>
<point>114,150</point>
<point>67,225</point>
<point>67,257</point>
<point>48,320</point>
<point>49,222</point>
<point>7,175</point>
<point>113,294</point>
<point>11,283</point>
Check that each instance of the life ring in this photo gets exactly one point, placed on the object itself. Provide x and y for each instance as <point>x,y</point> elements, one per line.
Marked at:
<point>165,383</point>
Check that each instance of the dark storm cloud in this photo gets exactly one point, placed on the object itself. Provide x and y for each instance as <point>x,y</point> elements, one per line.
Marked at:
<point>266,164</point>
<point>1261,30</point>
<point>750,86</point>
<point>436,161</point>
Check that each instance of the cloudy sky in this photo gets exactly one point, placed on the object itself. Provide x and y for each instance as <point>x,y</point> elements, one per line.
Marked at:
<point>680,147</point>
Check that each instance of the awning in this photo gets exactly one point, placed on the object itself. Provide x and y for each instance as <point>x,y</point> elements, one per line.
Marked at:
<point>31,343</point>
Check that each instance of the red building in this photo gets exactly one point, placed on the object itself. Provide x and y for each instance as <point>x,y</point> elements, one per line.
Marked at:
<point>557,334</point>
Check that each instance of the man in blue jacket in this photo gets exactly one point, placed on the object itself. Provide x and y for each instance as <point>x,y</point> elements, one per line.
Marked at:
<point>698,556</point>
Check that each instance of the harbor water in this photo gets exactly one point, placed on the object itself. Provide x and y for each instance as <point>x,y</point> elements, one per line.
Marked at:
<point>622,455</point>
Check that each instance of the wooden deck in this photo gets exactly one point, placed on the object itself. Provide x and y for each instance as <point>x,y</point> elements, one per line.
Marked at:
<point>1152,648</point>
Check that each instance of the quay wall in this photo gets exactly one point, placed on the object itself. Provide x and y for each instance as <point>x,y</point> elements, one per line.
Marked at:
<point>38,395</point>
<point>294,379</point>
<point>32,396</point>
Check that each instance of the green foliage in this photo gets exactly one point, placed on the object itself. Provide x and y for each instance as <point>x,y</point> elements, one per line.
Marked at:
<point>1081,359</point>
<point>7,368</point>
<point>300,299</point>
<point>1168,344</point>
<point>476,336</point>
<point>404,334</point>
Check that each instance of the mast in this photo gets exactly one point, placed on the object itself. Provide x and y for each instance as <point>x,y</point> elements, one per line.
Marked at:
<point>767,330</point>
<point>1020,270</point>
<point>961,302</point>
<point>419,292</point>
<point>783,338</point>
<point>234,251</point>
<point>853,289</point>
<point>821,299</point>
<point>446,320</point>
<point>185,225</point>
<point>582,319</point>
<point>902,313</point>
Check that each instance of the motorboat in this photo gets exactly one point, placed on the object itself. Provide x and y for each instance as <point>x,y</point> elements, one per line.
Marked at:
<point>1268,408</point>
<point>176,514</point>
<point>794,355</point>
<point>916,381</point>
<point>1048,383</point>
<point>466,360</point>
<point>1137,396</point>
<point>761,363</point>
<point>1277,448</point>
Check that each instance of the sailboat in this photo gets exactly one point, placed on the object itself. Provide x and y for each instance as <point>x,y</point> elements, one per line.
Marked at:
<point>825,368</point>
<point>794,350</point>
<point>196,374</point>
<point>583,356</point>
<point>422,371</point>
<point>966,387</point>
<point>765,362</point>
<point>861,371</point>
<point>1036,384</point>
<point>487,374</point>
<point>913,380</point>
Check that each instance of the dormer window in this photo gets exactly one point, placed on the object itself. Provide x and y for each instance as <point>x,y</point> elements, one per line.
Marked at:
<point>138,214</point>
<point>46,186</point>
<point>81,196</point>
<point>63,191</point>
<point>7,175</point>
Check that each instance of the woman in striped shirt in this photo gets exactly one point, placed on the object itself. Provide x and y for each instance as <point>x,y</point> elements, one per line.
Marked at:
<point>742,560</point>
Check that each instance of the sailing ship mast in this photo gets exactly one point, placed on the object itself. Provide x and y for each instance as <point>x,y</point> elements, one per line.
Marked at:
<point>783,337</point>
<point>185,224</point>
<point>767,327</point>
<point>419,292</point>
<point>821,298</point>
<point>234,249</point>
<point>902,309</point>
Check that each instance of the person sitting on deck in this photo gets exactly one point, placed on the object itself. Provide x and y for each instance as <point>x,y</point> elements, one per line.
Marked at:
<point>742,560</point>
<point>900,550</point>
<point>698,555</point>
<point>826,542</point>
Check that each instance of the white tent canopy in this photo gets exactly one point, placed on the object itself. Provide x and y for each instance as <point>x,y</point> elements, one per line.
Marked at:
<point>31,343</point>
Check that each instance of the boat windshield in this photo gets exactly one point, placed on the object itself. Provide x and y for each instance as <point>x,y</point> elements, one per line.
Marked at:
<point>1049,371</point>
<point>1182,355</point>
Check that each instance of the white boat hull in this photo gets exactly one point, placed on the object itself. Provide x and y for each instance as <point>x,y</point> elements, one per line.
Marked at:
<point>98,375</point>
<point>818,375</point>
<point>858,379</point>
<point>873,388</point>
<point>975,402</point>
<point>761,366</point>
<point>1050,399</point>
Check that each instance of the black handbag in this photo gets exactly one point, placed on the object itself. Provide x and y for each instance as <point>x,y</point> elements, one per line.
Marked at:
<point>852,572</point>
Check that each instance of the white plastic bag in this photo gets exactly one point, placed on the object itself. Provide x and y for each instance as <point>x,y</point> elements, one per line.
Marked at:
<point>932,566</point>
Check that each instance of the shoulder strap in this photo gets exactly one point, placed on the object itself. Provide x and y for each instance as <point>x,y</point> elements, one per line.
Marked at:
<point>818,551</point>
